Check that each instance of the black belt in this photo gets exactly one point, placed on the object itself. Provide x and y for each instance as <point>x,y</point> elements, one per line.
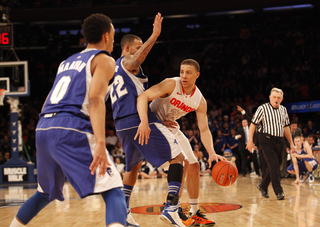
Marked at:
<point>270,136</point>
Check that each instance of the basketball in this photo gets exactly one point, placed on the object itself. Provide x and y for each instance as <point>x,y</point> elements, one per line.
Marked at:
<point>224,173</point>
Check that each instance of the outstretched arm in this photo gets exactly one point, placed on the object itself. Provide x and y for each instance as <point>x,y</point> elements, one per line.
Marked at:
<point>206,136</point>
<point>132,62</point>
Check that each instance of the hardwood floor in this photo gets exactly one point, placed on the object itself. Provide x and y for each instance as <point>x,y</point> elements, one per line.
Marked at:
<point>301,206</point>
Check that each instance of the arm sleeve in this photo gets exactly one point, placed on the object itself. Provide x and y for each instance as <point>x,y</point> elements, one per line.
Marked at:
<point>258,116</point>
<point>287,121</point>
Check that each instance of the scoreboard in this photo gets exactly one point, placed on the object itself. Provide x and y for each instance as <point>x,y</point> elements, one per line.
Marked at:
<point>6,35</point>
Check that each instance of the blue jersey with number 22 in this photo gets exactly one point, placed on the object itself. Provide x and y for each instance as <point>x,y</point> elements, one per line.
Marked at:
<point>125,89</point>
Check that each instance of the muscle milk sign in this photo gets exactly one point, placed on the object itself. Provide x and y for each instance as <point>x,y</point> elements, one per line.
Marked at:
<point>15,174</point>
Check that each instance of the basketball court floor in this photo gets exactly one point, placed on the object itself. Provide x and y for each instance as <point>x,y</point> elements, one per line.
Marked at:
<point>237,205</point>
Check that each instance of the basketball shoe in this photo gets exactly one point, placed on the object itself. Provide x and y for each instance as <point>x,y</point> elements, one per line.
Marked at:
<point>185,220</point>
<point>170,215</point>
<point>311,178</point>
<point>201,220</point>
<point>304,177</point>
<point>130,221</point>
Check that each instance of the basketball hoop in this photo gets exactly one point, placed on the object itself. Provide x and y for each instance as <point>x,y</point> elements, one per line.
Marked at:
<point>2,93</point>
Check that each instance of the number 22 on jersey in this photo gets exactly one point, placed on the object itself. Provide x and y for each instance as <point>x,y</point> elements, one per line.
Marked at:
<point>117,90</point>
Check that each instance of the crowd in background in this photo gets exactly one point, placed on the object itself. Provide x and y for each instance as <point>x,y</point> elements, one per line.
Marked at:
<point>241,58</point>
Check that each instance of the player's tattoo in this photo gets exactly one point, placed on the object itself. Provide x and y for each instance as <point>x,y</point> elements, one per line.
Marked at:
<point>141,54</point>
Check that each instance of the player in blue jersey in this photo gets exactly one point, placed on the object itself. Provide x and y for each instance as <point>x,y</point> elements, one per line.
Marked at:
<point>303,161</point>
<point>70,134</point>
<point>129,82</point>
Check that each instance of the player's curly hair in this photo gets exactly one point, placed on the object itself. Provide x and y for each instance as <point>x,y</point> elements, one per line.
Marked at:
<point>95,26</point>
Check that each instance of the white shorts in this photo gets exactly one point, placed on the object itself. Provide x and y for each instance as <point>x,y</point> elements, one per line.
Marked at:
<point>184,144</point>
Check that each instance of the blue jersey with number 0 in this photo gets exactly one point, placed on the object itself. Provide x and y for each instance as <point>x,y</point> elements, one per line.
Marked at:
<point>70,89</point>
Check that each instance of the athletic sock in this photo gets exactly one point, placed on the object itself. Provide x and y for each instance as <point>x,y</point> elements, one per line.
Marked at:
<point>194,205</point>
<point>16,223</point>
<point>116,210</point>
<point>32,207</point>
<point>127,189</point>
<point>175,173</point>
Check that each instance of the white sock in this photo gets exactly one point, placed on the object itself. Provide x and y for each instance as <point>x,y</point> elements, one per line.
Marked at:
<point>194,206</point>
<point>16,223</point>
<point>116,225</point>
<point>179,202</point>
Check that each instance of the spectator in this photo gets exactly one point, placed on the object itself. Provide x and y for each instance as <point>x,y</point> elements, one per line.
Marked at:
<point>147,171</point>
<point>232,122</point>
<point>233,145</point>
<point>111,140</point>
<point>7,156</point>
<point>220,143</point>
<point>193,140</point>
<point>305,132</point>
<point>229,156</point>
<point>295,131</point>
<point>120,166</point>
<point>311,141</point>
<point>225,129</point>
<point>311,129</point>
<point>2,160</point>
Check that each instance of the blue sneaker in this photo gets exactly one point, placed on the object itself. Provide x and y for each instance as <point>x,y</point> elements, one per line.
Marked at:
<point>170,216</point>
<point>130,221</point>
<point>311,178</point>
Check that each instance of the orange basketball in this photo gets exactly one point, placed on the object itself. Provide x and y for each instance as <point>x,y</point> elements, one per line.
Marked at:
<point>224,173</point>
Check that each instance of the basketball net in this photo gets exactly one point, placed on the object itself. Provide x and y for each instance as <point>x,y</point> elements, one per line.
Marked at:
<point>2,93</point>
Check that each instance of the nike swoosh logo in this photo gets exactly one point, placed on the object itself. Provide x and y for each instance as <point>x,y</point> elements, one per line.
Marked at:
<point>179,93</point>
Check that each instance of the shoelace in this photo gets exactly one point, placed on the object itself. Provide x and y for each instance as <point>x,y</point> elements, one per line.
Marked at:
<point>201,215</point>
<point>182,215</point>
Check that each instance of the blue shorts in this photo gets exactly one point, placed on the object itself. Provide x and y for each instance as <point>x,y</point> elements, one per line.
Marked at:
<point>65,146</point>
<point>302,166</point>
<point>162,145</point>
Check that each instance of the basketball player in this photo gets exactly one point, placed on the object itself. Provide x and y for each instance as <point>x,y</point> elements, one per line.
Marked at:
<point>70,135</point>
<point>129,82</point>
<point>303,161</point>
<point>172,99</point>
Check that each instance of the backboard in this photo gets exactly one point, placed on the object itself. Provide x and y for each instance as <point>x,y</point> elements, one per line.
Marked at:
<point>14,78</point>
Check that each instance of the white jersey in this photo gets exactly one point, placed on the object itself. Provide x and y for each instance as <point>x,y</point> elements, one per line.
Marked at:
<point>176,105</point>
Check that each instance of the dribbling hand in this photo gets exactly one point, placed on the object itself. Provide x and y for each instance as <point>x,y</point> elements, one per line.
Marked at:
<point>215,157</point>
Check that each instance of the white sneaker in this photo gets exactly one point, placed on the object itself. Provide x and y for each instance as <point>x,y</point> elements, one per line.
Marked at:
<point>130,221</point>
<point>170,216</point>
<point>311,178</point>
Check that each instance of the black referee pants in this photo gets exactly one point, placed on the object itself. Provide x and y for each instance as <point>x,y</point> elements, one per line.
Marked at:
<point>272,148</point>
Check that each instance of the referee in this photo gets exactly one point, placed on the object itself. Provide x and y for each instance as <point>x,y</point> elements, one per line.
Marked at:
<point>275,123</point>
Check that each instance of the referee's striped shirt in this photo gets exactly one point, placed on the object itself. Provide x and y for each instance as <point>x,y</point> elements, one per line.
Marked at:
<point>273,120</point>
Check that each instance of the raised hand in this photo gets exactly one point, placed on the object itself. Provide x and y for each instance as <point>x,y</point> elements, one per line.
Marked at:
<point>157,24</point>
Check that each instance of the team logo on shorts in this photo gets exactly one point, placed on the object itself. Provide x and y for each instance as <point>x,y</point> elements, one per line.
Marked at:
<point>109,171</point>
